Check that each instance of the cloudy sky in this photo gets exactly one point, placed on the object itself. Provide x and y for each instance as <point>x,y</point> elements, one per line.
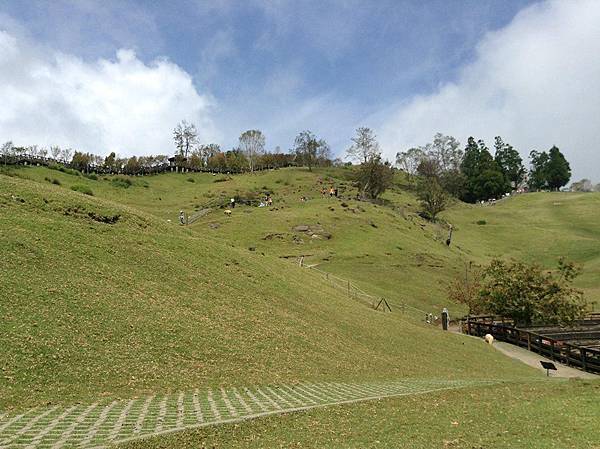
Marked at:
<point>118,75</point>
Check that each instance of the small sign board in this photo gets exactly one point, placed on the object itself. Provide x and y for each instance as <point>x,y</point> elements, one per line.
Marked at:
<point>548,366</point>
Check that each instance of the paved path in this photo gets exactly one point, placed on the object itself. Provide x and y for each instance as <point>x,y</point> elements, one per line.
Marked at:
<point>100,424</point>
<point>533,359</point>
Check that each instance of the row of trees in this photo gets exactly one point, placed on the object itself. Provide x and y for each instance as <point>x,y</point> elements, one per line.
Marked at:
<point>441,169</point>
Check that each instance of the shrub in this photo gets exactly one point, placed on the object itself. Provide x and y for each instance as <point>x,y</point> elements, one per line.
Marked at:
<point>191,180</point>
<point>52,180</point>
<point>481,222</point>
<point>122,182</point>
<point>82,189</point>
<point>92,176</point>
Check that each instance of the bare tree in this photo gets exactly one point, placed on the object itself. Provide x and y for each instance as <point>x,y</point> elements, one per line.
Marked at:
<point>67,154</point>
<point>364,146</point>
<point>252,144</point>
<point>55,151</point>
<point>185,136</point>
<point>409,161</point>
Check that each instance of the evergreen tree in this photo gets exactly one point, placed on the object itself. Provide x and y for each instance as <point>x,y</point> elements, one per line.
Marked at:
<point>484,178</point>
<point>558,171</point>
<point>510,162</point>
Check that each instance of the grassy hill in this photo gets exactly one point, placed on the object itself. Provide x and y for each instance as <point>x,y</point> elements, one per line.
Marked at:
<point>105,295</point>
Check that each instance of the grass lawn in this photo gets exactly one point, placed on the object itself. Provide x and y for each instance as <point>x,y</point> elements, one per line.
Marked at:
<point>104,296</point>
<point>541,415</point>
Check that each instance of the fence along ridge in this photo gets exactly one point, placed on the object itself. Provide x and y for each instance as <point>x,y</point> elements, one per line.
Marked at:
<point>353,289</point>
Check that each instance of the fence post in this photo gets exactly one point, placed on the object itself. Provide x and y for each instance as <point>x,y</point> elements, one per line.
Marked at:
<point>348,288</point>
<point>582,351</point>
<point>528,341</point>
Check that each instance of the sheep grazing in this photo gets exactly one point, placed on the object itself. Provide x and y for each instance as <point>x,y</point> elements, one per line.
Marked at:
<point>489,339</point>
<point>227,212</point>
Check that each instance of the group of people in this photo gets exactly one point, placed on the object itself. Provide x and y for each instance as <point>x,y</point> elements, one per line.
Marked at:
<point>333,191</point>
<point>267,201</point>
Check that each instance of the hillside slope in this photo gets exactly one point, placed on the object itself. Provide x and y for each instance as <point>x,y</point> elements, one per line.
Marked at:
<point>103,298</point>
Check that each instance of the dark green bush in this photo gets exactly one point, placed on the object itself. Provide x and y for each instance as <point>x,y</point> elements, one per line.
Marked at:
<point>122,182</point>
<point>481,222</point>
<point>191,180</point>
<point>82,189</point>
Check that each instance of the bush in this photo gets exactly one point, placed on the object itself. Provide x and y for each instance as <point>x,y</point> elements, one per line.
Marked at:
<point>122,182</point>
<point>82,189</point>
<point>481,222</point>
<point>52,181</point>
<point>191,180</point>
<point>92,176</point>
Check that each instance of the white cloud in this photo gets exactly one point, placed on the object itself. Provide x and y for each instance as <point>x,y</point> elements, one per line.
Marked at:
<point>535,82</point>
<point>122,105</point>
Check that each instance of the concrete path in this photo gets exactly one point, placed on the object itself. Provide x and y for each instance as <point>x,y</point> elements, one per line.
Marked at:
<point>533,359</point>
<point>100,424</point>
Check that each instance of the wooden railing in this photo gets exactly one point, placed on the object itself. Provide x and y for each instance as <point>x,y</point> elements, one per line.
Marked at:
<point>587,359</point>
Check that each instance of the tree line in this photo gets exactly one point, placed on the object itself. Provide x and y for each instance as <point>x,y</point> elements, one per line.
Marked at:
<point>442,169</point>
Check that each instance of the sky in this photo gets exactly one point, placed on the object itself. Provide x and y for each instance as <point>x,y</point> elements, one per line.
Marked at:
<point>104,76</point>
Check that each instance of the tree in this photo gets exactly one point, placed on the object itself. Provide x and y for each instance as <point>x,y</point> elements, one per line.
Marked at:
<point>530,295</point>
<point>374,177</point>
<point>483,177</point>
<point>364,145</point>
<point>81,161</point>
<point>66,154</point>
<point>510,162</point>
<point>109,161</point>
<point>55,152</point>
<point>207,151</point>
<point>185,137</point>
<point>445,150</point>
<point>465,288</point>
<point>409,161</point>
<point>585,185</point>
<point>558,170</point>
<point>433,198</point>
<point>538,179</point>
<point>309,150</point>
<point>252,144</point>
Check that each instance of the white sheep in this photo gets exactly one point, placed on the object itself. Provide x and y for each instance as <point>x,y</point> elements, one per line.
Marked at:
<point>489,339</point>
<point>227,212</point>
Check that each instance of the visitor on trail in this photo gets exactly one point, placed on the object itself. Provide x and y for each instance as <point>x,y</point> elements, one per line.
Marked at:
<point>269,201</point>
<point>335,192</point>
<point>181,217</point>
<point>445,319</point>
<point>331,191</point>
<point>232,201</point>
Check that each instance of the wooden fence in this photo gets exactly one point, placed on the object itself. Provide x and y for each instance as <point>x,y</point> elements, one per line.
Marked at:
<point>587,359</point>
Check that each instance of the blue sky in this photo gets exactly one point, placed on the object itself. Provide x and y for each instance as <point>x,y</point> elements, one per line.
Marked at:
<point>280,66</point>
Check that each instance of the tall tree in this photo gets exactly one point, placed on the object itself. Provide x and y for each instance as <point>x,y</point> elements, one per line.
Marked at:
<point>374,177</point>
<point>252,144</point>
<point>409,161</point>
<point>483,177</point>
<point>538,179</point>
<point>185,136</point>
<point>364,145</point>
<point>558,170</point>
<point>433,198</point>
<point>55,151</point>
<point>510,162</point>
<point>309,149</point>
<point>445,150</point>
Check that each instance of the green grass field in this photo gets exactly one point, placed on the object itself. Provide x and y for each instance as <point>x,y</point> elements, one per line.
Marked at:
<point>106,296</point>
